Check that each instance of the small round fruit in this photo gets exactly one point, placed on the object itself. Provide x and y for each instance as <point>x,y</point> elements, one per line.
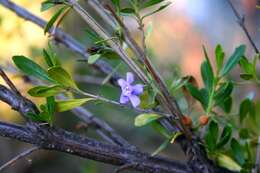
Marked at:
<point>186,120</point>
<point>203,120</point>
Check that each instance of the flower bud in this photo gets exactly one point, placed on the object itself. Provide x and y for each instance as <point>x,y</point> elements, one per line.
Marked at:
<point>186,120</point>
<point>203,120</point>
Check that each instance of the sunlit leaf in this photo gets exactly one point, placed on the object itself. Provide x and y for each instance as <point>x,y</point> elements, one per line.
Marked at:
<point>66,105</point>
<point>227,162</point>
<point>62,77</point>
<point>31,68</point>
<point>53,19</point>
<point>93,58</point>
<point>46,91</point>
<point>156,11</point>
<point>151,3</point>
<point>144,119</point>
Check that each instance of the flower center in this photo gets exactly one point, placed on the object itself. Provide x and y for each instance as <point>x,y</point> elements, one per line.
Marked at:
<point>127,90</point>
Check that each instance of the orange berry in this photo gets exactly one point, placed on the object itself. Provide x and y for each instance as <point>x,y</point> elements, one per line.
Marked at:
<point>203,120</point>
<point>186,120</point>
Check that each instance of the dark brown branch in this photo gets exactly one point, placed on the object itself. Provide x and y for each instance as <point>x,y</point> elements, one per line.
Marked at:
<point>9,82</point>
<point>102,128</point>
<point>63,141</point>
<point>72,44</point>
<point>18,157</point>
<point>241,22</point>
<point>60,140</point>
<point>18,103</point>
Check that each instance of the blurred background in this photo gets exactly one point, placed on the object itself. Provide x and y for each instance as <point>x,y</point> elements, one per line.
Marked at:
<point>179,32</point>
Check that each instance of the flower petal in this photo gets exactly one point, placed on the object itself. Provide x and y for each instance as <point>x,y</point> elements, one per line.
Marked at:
<point>138,89</point>
<point>129,77</point>
<point>134,100</point>
<point>123,99</point>
<point>122,83</point>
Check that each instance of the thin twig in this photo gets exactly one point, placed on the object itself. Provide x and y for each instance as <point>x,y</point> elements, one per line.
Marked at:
<point>140,110</point>
<point>166,99</point>
<point>100,30</point>
<point>18,157</point>
<point>61,37</point>
<point>9,82</point>
<point>241,22</point>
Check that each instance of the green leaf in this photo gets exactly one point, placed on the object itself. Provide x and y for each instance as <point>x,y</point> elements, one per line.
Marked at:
<point>93,58</point>
<point>50,3</point>
<point>159,9</point>
<point>246,76</point>
<point>246,66</point>
<point>66,105</point>
<point>46,91</point>
<point>233,60</point>
<point>46,5</point>
<point>51,105</point>
<point>47,58</point>
<point>211,135</point>
<point>207,75</point>
<point>223,92</point>
<point>246,107</point>
<point>31,68</point>
<point>116,2</point>
<point>161,147</point>
<point>219,57</point>
<point>92,36</point>
<point>50,58</point>
<point>127,11</point>
<point>151,3</point>
<point>227,162</point>
<point>200,95</point>
<point>144,119</point>
<point>225,136</point>
<point>62,77</point>
<point>179,83</point>
<point>244,133</point>
<point>53,19</point>
<point>237,151</point>
<point>159,128</point>
<point>226,105</point>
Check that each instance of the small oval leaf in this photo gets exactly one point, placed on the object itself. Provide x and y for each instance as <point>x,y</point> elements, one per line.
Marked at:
<point>62,77</point>
<point>144,119</point>
<point>31,68</point>
<point>45,91</point>
<point>66,105</point>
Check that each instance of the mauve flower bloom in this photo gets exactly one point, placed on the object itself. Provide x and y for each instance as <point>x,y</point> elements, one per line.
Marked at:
<point>130,92</point>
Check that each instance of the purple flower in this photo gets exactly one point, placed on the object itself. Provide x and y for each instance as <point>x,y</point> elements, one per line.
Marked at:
<point>130,92</point>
